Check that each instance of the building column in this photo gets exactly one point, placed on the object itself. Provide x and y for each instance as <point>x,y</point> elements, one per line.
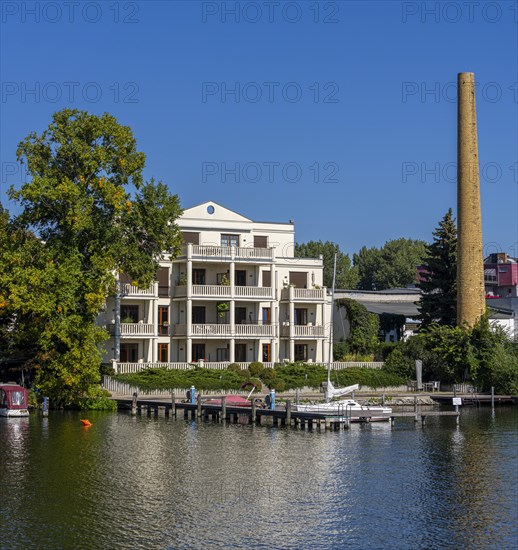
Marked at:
<point>292,323</point>
<point>188,309</point>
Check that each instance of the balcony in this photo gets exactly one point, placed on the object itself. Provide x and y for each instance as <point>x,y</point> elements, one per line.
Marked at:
<point>303,331</point>
<point>303,294</point>
<point>225,330</point>
<point>134,329</point>
<point>223,291</point>
<point>228,253</point>
<point>131,290</point>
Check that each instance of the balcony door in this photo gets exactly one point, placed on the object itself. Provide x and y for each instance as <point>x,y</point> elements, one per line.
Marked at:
<point>240,277</point>
<point>301,316</point>
<point>198,352</point>
<point>267,315</point>
<point>129,314</point>
<point>129,353</point>
<point>240,352</point>
<point>267,353</point>
<point>198,276</point>
<point>240,315</point>
<point>198,315</point>
<point>301,352</point>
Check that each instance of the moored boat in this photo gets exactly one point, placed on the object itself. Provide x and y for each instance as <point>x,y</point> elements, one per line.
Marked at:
<point>14,400</point>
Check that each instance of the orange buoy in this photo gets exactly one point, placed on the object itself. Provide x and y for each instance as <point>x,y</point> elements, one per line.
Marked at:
<point>86,423</point>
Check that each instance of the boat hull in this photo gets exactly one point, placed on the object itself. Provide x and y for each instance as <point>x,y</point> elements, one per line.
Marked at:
<point>14,413</point>
<point>349,409</point>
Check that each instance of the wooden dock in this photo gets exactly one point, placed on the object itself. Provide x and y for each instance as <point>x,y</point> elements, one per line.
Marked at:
<point>281,416</point>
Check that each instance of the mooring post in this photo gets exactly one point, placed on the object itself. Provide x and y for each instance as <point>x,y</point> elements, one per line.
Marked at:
<point>254,411</point>
<point>272,399</point>
<point>415,408</point>
<point>297,396</point>
<point>192,395</point>
<point>45,409</point>
<point>224,408</point>
<point>383,400</point>
<point>199,404</point>
<point>173,405</point>
<point>134,404</point>
<point>288,412</point>
<point>492,397</point>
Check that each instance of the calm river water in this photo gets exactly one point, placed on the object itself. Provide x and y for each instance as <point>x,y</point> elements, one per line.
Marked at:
<point>164,483</point>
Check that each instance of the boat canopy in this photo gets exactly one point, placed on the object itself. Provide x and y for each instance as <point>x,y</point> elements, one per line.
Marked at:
<point>13,396</point>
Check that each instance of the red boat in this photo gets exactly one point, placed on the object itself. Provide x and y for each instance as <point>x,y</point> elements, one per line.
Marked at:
<point>235,400</point>
<point>14,400</point>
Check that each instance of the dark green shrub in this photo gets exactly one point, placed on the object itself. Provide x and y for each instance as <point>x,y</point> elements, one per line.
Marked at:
<point>234,367</point>
<point>278,385</point>
<point>268,375</point>
<point>258,385</point>
<point>255,368</point>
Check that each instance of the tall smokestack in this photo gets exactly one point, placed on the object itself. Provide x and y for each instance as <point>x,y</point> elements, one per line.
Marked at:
<point>470,262</point>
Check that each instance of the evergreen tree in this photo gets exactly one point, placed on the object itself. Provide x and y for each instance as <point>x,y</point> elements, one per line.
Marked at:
<point>439,285</point>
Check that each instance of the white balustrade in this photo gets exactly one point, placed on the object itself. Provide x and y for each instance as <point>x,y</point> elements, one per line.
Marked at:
<point>220,291</point>
<point>254,330</point>
<point>131,290</point>
<point>254,292</point>
<point>211,330</point>
<point>137,329</point>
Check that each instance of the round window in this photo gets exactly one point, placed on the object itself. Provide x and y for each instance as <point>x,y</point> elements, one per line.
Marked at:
<point>210,209</point>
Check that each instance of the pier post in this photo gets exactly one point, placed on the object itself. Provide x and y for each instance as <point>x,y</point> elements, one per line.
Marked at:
<point>254,411</point>
<point>224,408</point>
<point>192,395</point>
<point>288,413</point>
<point>198,399</point>
<point>134,404</point>
<point>492,397</point>
<point>415,408</point>
<point>173,405</point>
<point>45,409</point>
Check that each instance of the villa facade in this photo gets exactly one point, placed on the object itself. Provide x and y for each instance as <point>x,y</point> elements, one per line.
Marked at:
<point>236,293</point>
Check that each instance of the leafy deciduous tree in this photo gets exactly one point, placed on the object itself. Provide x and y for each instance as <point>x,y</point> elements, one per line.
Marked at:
<point>346,276</point>
<point>80,225</point>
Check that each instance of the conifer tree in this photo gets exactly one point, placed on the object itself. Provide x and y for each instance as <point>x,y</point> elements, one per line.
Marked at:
<point>439,285</point>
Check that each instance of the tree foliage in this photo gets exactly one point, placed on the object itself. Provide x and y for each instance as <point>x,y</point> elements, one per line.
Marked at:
<point>392,266</point>
<point>484,355</point>
<point>86,215</point>
<point>364,327</point>
<point>346,275</point>
<point>438,302</point>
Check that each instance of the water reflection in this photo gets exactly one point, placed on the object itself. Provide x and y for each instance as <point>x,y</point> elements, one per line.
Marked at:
<point>165,483</point>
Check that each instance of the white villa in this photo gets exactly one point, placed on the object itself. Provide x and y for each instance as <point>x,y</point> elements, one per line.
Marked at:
<point>236,293</point>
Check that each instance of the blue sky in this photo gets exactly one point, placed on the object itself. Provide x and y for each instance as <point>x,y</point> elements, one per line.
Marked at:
<point>338,115</point>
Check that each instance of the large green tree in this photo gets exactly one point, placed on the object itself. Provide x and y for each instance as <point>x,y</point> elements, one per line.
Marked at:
<point>346,275</point>
<point>392,266</point>
<point>86,215</point>
<point>438,302</point>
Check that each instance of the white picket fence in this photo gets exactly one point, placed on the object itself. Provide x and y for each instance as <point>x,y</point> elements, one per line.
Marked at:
<point>128,368</point>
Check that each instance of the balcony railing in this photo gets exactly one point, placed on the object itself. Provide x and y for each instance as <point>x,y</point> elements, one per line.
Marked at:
<point>131,290</point>
<point>224,291</point>
<point>254,292</point>
<point>225,330</point>
<point>304,294</point>
<point>227,253</point>
<point>134,329</point>
<point>219,291</point>
<point>303,331</point>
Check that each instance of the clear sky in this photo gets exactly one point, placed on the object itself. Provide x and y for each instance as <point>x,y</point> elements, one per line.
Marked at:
<point>338,115</point>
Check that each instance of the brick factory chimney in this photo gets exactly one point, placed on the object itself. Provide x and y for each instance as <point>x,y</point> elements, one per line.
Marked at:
<point>470,261</point>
